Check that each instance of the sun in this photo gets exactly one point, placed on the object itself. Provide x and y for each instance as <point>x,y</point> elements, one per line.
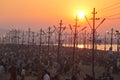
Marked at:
<point>80,14</point>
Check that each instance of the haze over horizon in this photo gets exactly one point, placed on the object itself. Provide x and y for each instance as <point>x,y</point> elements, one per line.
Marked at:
<point>36,14</point>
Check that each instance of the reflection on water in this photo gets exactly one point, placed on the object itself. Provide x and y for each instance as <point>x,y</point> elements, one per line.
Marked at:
<point>99,46</point>
<point>102,47</point>
<point>80,46</point>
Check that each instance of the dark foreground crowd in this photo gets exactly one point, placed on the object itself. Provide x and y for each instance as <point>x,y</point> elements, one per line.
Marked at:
<point>20,62</point>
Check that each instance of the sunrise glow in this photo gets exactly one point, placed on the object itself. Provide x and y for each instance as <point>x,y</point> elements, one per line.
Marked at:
<point>81,14</point>
<point>60,39</point>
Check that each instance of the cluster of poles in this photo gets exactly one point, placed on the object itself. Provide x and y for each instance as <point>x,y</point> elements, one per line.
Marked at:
<point>57,35</point>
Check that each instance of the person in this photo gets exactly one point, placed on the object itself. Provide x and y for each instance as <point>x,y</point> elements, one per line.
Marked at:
<point>1,68</point>
<point>39,74</point>
<point>99,78</point>
<point>56,77</point>
<point>46,75</point>
<point>23,74</point>
<point>88,77</point>
<point>73,77</point>
<point>13,72</point>
<point>78,76</point>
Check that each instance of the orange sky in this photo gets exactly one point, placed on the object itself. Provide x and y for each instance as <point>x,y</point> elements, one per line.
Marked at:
<point>46,13</point>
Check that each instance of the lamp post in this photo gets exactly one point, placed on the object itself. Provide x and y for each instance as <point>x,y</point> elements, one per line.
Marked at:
<point>80,15</point>
<point>105,42</point>
<point>93,44</point>
<point>118,40</point>
<point>41,32</point>
<point>74,42</point>
<point>49,38</point>
<point>29,31</point>
<point>111,39</point>
<point>93,36</point>
<point>59,30</point>
<point>23,34</point>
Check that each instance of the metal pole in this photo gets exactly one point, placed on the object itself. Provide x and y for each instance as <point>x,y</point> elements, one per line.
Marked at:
<point>18,36</point>
<point>33,37</point>
<point>93,44</point>
<point>59,41</point>
<point>40,40</point>
<point>85,39</point>
<point>74,42</point>
<point>118,40</point>
<point>23,38</point>
<point>29,30</point>
<point>49,32</point>
<point>105,42</point>
<point>111,39</point>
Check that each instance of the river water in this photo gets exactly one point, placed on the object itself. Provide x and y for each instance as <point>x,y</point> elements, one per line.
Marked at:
<point>98,46</point>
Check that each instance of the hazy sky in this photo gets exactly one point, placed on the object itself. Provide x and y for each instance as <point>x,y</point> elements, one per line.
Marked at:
<point>44,13</point>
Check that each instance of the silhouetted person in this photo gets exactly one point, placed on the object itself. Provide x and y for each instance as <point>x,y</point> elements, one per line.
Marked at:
<point>73,77</point>
<point>46,75</point>
<point>13,72</point>
<point>56,77</point>
<point>23,74</point>
<point>88,77</point>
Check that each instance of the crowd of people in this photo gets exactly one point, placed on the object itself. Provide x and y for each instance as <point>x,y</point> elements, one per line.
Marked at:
<point>21,61</point>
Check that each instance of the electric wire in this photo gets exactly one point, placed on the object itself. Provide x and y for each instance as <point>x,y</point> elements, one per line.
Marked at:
<point>108,7</point>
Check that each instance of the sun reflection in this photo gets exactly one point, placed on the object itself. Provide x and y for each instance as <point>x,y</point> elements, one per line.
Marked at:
<point>80,46</point>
